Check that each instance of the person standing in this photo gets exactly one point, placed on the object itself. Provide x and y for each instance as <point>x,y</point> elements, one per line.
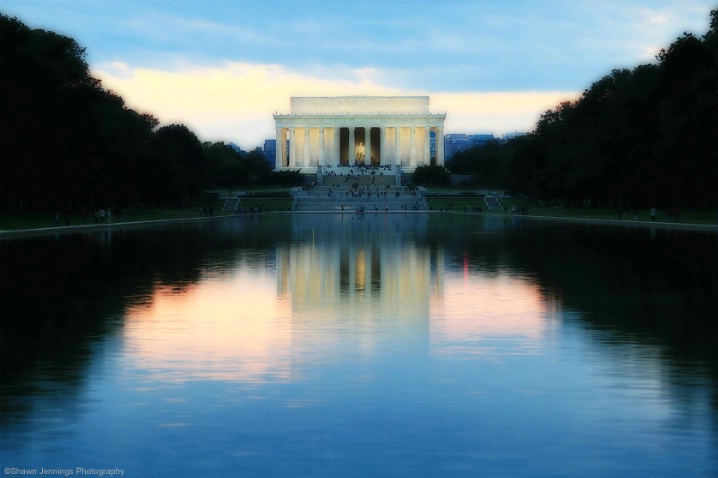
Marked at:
<point>653,214</point>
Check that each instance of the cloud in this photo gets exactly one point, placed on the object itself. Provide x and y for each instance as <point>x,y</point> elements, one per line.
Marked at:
<point>187,30</point>
<point>497,112</point>
<point>235,101</point>
<point>632,32</point>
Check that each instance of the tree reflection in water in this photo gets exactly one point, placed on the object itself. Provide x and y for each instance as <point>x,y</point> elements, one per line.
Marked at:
<point>413,320</point>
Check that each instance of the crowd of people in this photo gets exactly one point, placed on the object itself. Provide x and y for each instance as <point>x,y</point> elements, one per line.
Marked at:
<point>358,169</point>
<point>355,190</point>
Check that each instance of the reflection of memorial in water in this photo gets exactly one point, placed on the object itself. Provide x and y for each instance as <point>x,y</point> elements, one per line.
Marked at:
<point>362,274</point>
<point>371,267</point>
<point>221,339</point>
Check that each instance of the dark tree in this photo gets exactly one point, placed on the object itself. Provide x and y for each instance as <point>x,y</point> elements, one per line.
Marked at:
<point>66,142</point>
<point>177,163</point>
<point>431,176</point>
<point>636,138</point>
<point>225,166</point>
<point>257,163</point>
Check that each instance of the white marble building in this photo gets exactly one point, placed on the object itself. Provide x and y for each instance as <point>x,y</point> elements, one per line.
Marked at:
<point>382,131</point>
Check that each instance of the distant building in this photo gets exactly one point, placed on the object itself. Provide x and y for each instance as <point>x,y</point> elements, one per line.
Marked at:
<point>270,150</point>
<point>455,143</point>
<point>513,135</point>
<point>237,149</point>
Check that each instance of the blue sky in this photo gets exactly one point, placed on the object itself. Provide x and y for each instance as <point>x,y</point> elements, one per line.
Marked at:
<point>224,67</point>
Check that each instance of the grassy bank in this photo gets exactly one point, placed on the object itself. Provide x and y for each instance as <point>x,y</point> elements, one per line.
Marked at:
<point>460,202</point>
<point>38,220</point>
<point>266,203</point>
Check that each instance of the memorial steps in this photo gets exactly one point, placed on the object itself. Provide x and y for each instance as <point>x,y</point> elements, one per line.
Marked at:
<point>332,198</point>
<point>493,204</point>
<point>361,180</point>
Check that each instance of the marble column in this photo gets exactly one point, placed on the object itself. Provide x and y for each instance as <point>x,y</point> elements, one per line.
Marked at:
<point>352,147</point>
<point>278,160</point>
<point>367,145</point>
<point>397,146</point>
<point>412,146</point>
<point>321,147</point>
<point>306,160</point>
<point>293,147</point>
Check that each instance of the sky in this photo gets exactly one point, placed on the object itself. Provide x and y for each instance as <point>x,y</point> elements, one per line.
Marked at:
<point>223,67</point>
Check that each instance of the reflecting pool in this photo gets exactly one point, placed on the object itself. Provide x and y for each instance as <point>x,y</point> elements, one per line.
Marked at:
<point>417,345</point>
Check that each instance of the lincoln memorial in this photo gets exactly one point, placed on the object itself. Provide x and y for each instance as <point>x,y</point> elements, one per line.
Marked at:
<point>390,132</point>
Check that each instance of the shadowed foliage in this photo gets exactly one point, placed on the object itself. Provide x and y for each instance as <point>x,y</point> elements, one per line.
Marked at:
<point>639,137</point>
<point>636,138</point>
<point>67,143</point>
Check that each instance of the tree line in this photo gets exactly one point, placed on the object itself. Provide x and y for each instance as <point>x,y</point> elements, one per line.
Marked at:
<point>67,142</point>
<point>640,137</point>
